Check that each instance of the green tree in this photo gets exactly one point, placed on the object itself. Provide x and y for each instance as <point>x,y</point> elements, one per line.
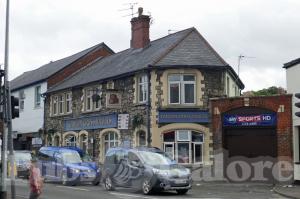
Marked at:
<point>273,90</point>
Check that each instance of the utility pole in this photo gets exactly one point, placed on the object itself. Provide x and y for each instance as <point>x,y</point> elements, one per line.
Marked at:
<point>240,57</point>
<point>7,118</point>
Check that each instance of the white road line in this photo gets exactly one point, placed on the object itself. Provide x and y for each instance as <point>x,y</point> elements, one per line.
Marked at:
<point>122,195</point>
<point>74,188</point>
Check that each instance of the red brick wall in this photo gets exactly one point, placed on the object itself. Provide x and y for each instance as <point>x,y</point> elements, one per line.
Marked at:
<point>82,62</point>
<point>284,119</point>
<point>140,31</point>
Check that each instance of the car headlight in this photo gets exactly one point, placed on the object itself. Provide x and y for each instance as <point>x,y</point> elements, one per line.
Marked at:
<point>98,170</point>
<point>160,172</point>
<point>75,170</point>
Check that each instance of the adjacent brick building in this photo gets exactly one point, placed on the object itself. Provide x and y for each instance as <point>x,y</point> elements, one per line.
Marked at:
<point>253,127</point>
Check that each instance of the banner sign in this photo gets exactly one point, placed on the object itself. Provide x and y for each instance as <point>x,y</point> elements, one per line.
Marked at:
<point>183,117</point>
<point>91,122</point>
<point>250,120</point>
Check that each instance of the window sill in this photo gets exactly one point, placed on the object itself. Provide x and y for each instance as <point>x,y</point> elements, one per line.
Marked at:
<point>181,106</point>
<point>37,107</point>
<point>61,115</point>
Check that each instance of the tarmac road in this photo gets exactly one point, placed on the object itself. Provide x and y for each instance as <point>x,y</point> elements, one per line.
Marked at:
<point>200,190</point>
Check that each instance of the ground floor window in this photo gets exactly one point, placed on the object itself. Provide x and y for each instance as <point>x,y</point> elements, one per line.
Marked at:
<point>84,142</point>
<point>111,139</point>
<point>141,138</point>
<point>49,140</point>
<point>185,146</point>
<point>56,140</point>
<point>70,140</point>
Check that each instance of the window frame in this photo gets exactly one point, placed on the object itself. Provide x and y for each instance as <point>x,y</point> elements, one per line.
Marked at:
<point>142,88</point>
<point>181,85</point>
<point>95,106</point>
<point>37,96</point>
<point>54,102</point>
<point>59,100</point>
<point>68,102</point>
<point>191,143</point>
<point>22,100</point>
<point>61,104</point>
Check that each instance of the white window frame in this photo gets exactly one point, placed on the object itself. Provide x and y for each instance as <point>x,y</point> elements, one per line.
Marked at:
<point>37,96</point>
<point>68,102</point>
<point>142,88</point>
<point>61,104</point>
<point>187,141</point>
<point>22,100</point>
<point>181,84</point>
<point>55,102</point>
<point>109,141</point>
<point>183,140</point>
<point>173,148</point>
<point>87,97</point>
<point>68,142</point>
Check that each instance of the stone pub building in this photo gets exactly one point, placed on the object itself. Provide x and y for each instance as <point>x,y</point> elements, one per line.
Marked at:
<point>153,93</point>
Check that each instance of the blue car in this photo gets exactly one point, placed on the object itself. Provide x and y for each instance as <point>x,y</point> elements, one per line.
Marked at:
<point>66,166</point>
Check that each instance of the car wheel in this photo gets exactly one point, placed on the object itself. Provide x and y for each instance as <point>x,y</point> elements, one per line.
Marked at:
<point>182,191</point>
<point>64,179</point>
<point>108,184</point>
<point>146,187</point>
<point>96,182</point>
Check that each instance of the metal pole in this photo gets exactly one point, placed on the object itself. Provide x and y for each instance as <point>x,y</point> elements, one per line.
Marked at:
<point>5,106</point>
<point>148,108</point>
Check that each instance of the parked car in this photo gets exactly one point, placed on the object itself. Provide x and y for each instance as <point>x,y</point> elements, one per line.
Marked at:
<point>65,165</point>
<point>83,155</point>
<point>23,161</point>
<point>148,169</point>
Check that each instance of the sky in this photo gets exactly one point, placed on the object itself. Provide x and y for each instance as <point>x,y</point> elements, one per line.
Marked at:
<point>265,32</point>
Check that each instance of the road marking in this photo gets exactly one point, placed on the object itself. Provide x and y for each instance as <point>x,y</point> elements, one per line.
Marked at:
<point>134,196</point>
<point>74,188</point>
<point>20,196</point>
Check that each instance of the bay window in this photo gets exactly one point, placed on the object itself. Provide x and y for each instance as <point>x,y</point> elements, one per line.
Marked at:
<point>185,146</point>
<point>182,89</point>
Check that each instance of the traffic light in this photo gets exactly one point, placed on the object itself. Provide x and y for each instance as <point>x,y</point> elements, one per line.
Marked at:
<point>14,107</point>
<point>297,104</point>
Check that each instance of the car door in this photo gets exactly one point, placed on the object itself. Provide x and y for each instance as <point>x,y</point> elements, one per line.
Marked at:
<point>58,165</point>
<point>136,170</point>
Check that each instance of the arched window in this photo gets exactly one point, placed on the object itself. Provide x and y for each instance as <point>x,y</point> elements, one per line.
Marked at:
<point>56,140</point>
<point>141,138</point>
<point>185,146</point>
<point>111,139</point>
<point>70,140</point>
<point>49,140</point>
<point>83,142</point>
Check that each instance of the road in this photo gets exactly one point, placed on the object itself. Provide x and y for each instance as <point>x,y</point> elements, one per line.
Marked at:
<point>205,190</point>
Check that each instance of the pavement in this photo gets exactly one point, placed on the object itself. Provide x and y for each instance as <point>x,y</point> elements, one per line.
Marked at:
<point>216,190</point>
<point>290,191</point>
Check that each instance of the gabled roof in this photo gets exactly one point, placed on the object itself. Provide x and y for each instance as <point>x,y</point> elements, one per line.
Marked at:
<point>183,48</point>
<point>42,73</point>
<point>291,63</point>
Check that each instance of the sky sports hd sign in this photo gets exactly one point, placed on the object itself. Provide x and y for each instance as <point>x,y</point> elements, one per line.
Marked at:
<point>250,120</point>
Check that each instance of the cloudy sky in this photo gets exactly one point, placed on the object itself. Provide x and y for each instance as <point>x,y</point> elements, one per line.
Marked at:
<point>268,31</point>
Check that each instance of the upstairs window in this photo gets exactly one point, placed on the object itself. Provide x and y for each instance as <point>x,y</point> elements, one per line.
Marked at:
<point>61,104</point>
<point>22,100</point>
<point>143,88</point>
<point>92,101</point>
<point>37,94</point>
<point>182,89</point>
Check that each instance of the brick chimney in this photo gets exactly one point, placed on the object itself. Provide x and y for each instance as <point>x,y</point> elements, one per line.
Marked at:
<point>140,30</point>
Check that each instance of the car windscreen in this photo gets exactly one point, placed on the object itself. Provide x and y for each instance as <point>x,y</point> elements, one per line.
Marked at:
<point>22,157</point>
<point>71,157</point>
<point>153,158</point>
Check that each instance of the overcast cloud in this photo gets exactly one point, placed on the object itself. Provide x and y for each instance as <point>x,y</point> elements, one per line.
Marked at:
<point>269,30</point>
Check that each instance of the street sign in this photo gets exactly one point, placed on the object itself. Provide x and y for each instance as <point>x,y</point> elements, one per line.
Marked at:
<point>123,121</point>
<point>36,142</point>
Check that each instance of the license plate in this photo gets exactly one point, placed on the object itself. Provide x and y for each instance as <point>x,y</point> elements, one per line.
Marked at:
<point>180,181</point>
<point>91,175</point>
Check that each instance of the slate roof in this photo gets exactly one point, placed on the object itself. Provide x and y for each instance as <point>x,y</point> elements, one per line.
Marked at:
<point>183,48</point>
<point>42,73</point>
<point>291,63</point>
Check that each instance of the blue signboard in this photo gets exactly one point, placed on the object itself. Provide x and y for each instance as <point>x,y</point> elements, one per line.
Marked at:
<point>183,117</point>
<point>250,120</point>
<point>91,122</point>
